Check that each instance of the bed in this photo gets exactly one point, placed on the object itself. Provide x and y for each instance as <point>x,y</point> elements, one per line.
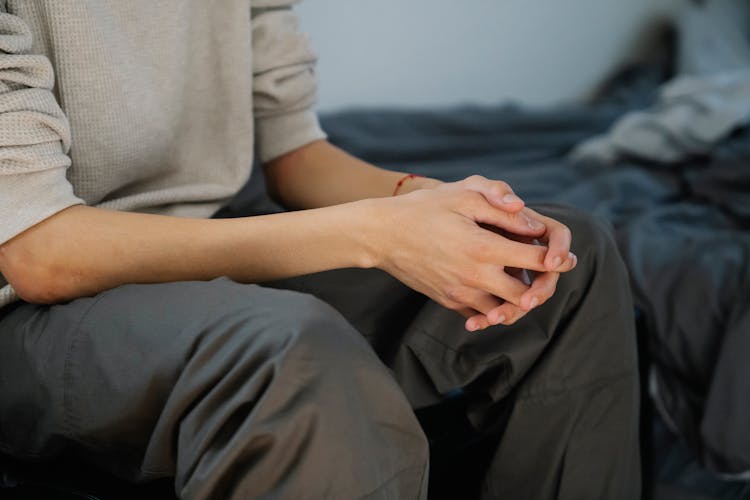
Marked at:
<point>683,230</point>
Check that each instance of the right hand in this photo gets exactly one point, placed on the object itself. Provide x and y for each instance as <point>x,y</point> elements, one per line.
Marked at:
<point>432,241</point>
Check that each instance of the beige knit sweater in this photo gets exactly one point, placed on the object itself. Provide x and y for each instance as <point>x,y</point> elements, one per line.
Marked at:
<point>144,105</point>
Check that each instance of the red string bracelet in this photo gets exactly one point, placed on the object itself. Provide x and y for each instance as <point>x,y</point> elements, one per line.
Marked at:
<point>404,179</point>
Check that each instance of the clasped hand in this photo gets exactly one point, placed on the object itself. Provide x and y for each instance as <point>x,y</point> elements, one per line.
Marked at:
<point>466,244</point>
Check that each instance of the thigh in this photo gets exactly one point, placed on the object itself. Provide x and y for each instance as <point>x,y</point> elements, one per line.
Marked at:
<point>97,371</point>
<point>226,387</point>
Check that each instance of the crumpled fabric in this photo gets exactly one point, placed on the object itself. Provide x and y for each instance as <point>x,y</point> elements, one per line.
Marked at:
<point>703,105</point>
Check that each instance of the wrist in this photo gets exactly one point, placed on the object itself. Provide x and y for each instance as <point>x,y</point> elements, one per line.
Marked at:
<point>367,222</point>
<point>411,184</point>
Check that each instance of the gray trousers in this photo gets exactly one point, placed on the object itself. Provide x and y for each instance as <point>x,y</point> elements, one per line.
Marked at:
<point>246,391</point>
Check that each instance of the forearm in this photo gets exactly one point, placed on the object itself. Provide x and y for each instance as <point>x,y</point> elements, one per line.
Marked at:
<point>82,250</point>
<point>320,174</point>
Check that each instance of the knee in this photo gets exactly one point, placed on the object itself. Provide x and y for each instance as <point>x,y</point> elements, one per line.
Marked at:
<point>280,322</point>
<point>319,352</point>
<point>296,335</point>
<point>301,366</point>
<point>597,299</point>
<point>292,343</point>
<point>314,331</point>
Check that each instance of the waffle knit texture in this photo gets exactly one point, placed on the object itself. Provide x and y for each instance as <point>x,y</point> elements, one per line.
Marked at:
<point>145,106</point>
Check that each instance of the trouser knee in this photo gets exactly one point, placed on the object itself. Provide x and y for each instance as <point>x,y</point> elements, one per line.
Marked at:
<point>322,415</point>
<point>594,310</point>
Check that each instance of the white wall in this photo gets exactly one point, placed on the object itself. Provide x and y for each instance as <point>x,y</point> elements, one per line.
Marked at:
<point>432,52</point>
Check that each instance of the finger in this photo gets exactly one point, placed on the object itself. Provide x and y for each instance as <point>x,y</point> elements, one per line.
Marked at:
<point>558,239</point>
<point>477,323</point>
<point>479,303</point>
<point>468,312</point>
<point>498,250</point>
<point>541,290</point>
<point>475,299</point>
<point>498,193</point>
<point>516,225</point>
<point>501,286</point>
<point>506,314</point>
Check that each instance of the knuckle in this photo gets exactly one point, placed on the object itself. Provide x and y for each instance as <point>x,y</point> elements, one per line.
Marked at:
<point>536,257</point>
<point>450,304</point>
<point>464,199</point>
<point>501,187</point>
<point>514,297</point>
<point>472,198</point>
<point>479,250</point>
<point>455,297</point>
<point>472,278</point>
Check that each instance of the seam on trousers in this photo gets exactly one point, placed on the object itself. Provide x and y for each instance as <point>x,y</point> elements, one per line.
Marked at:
<point>391,479</point>
<point>581,387</point>
<point>156,473</point>
<point>457,353</point>
<point>67,376</point>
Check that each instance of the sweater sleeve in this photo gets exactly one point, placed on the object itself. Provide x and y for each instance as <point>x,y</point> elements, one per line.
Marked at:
<point>284,83</point>
<point>34,134</point>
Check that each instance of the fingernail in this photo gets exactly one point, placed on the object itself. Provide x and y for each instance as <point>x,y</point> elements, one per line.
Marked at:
<point>511,198</point>
<point>534,302</point>
<point>533,223</point>
<point>572,259</point>
<point>500,319</point>
<point>556,262</point>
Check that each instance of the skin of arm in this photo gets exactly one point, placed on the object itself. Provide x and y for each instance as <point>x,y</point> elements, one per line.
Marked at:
<point>320,174</point>
<point>359,224</point>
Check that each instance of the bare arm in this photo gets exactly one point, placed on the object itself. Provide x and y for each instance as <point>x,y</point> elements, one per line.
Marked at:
<point>429,239</point>
<point>83,250</point>
<point>320,174</point>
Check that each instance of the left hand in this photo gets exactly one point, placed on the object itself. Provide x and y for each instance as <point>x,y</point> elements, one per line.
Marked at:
<point>557,237</point>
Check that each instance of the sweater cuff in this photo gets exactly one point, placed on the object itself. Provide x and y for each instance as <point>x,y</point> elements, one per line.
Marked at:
<point>280,134</point>
<point>29,198</point>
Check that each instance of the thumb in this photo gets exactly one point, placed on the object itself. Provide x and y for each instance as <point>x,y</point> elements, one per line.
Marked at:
<point>498,193</point>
